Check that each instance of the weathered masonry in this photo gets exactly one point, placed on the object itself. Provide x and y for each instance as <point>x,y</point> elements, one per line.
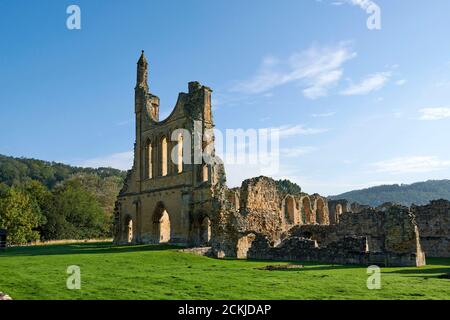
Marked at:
<point>271,225</point>
<point>434,225</point>
<point>173,196</point>
<point>164,199</point>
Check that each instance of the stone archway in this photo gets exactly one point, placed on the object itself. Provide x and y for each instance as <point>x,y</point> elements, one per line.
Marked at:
<point>307,211</point>
<point>339,209</point>
<point>233,198</point>
<point>205,231</point>
<point>321,212</point>
<point>161,224</point>
<point>128,227</point>
<point>290,210</point>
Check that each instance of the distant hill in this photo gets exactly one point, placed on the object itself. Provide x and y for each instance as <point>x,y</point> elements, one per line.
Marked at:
<point>20,170</point>
<point>419,193</point>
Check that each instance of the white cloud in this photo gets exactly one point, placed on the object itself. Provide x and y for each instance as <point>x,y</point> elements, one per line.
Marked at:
<point>320,85</point>
<point>363,4</point>
<point>411,164</point>
<point>371,83</point>
<point>323,115</point>
<point>316,69</point>
<point>400,82</point>
<point>122,161</point>
<point>434,113</point>
<point>287,131</point>
<point>296,152</point>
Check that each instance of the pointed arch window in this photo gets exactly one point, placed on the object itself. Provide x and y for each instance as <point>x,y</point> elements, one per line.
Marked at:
<point>164,156</point>
<point>149,160</point>
<point>180,154</point>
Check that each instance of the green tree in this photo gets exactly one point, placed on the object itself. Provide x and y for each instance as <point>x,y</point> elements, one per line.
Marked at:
<point>44,199</point>
<point>20,216</point>
<point>3,189</point>
<point>76,214</point>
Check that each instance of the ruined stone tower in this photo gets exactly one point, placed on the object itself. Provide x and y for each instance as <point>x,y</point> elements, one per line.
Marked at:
<point>168,195</point>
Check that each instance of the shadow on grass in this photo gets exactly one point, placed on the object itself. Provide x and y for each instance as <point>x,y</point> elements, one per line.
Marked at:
<point>421,271</point>
<point>82,248</point>
<point>440,269</point>
<point>307,265</point>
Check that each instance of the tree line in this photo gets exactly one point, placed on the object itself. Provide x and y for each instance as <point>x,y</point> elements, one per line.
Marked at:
<point>42,200</point>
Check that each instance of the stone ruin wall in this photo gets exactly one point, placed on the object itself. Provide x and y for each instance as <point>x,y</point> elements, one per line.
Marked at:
<point>433,221</point>
<point>434,225</point>
<point>258,219</point>
<point>258,207</point>
<point>388,238</point>
<point>259,222</point>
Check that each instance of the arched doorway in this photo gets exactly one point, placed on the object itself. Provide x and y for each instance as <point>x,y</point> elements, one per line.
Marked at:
<point>161,224</point>
<point>321,214</point>
<point>338,211</point>
<point>290,211</point>
<point>233,198</point>
<point>205,231</point>
<point>128,229</point>
<point>307,211</point>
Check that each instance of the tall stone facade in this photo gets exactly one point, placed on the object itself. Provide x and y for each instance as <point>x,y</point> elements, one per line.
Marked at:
<point>168,195</point>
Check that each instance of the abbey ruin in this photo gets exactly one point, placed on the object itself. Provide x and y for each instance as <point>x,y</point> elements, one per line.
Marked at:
<point>171,197</point>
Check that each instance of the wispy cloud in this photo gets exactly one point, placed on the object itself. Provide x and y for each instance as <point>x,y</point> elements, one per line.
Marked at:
<point>411,164</point>
<point>371,83</point>
<point>316,70</point>
<point>434,113</point>
<point>287,131</point>
<point>122,161</point>
<point>323,115</point>
<point>363,4</point>
<point>400,82</point>
<point>296,152</point>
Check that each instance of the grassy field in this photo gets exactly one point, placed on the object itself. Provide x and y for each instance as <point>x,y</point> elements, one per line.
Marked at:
<point>161,272</point>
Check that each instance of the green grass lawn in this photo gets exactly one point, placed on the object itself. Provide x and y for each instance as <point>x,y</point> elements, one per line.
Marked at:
<point>161,272</point>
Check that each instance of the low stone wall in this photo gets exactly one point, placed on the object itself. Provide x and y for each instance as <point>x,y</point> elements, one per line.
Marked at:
<point>349,250</point>
<point>388,238</point>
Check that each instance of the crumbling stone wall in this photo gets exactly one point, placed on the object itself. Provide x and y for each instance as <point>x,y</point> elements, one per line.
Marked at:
<point>433,221</point>
<point>337,208</point>
<point>434,225</point>
<point>349,250</point>
<point>263,209</point>
<point>388,237</point>
<point>260,195</point>
<point>357,207</point>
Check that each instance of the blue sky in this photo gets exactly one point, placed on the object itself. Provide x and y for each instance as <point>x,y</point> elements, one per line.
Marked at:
<point>358,107</point>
